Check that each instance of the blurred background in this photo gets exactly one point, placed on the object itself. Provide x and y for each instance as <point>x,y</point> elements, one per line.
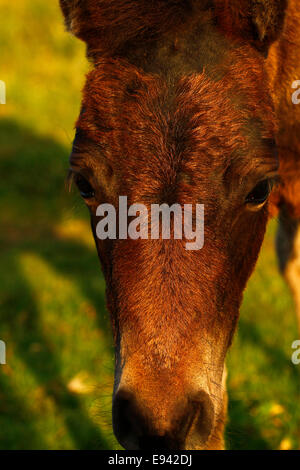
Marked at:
<point>55,390</point>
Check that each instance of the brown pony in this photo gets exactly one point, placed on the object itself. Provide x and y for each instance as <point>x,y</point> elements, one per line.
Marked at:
<point>187,102</point>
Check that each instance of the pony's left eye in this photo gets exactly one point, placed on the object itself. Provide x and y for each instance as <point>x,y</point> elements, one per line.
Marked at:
<point>85,189</point>
<point>260,193</point>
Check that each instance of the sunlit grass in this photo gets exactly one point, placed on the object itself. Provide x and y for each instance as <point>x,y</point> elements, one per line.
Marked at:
<point>55,389</point>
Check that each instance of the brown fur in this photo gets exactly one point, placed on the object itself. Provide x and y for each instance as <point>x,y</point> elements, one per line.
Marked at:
<point>179,107</point>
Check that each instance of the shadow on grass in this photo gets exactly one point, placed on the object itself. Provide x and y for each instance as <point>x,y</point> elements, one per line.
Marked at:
<point>33,198</point>
<point>45,366</point>
<point>276,357</point>
<point>243,430</point>
<point>18,430</point>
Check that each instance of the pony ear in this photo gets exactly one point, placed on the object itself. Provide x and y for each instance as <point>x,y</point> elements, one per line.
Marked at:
<point>268,19</point>
<point>258,22</point>
<point>108,26</point>
<point>79,20</point>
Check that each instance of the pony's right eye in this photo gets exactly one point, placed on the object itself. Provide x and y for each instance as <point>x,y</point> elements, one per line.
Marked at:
<point>85,189</point>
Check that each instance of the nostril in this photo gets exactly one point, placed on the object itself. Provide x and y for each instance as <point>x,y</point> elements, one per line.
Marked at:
<point>203,420</point>
<point>136,429</point>
<point>127,422</point>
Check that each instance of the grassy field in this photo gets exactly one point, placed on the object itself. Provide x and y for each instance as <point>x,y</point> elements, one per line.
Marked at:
<point>55,391</point>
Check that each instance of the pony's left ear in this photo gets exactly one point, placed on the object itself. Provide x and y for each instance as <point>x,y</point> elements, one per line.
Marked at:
<point>268,19</point>
<point>258,22</point>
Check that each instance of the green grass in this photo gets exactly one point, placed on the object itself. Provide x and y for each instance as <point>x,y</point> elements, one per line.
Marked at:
<point>55,390</point>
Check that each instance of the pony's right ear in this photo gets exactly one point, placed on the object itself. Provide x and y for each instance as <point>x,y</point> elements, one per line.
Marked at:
<point>80,22</point>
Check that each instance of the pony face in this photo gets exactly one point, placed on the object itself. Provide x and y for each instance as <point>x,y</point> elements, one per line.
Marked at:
<point>183,119</point>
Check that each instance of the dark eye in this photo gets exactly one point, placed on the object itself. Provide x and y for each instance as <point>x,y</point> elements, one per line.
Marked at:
<point>85,189</point>
<point>260,193</point>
